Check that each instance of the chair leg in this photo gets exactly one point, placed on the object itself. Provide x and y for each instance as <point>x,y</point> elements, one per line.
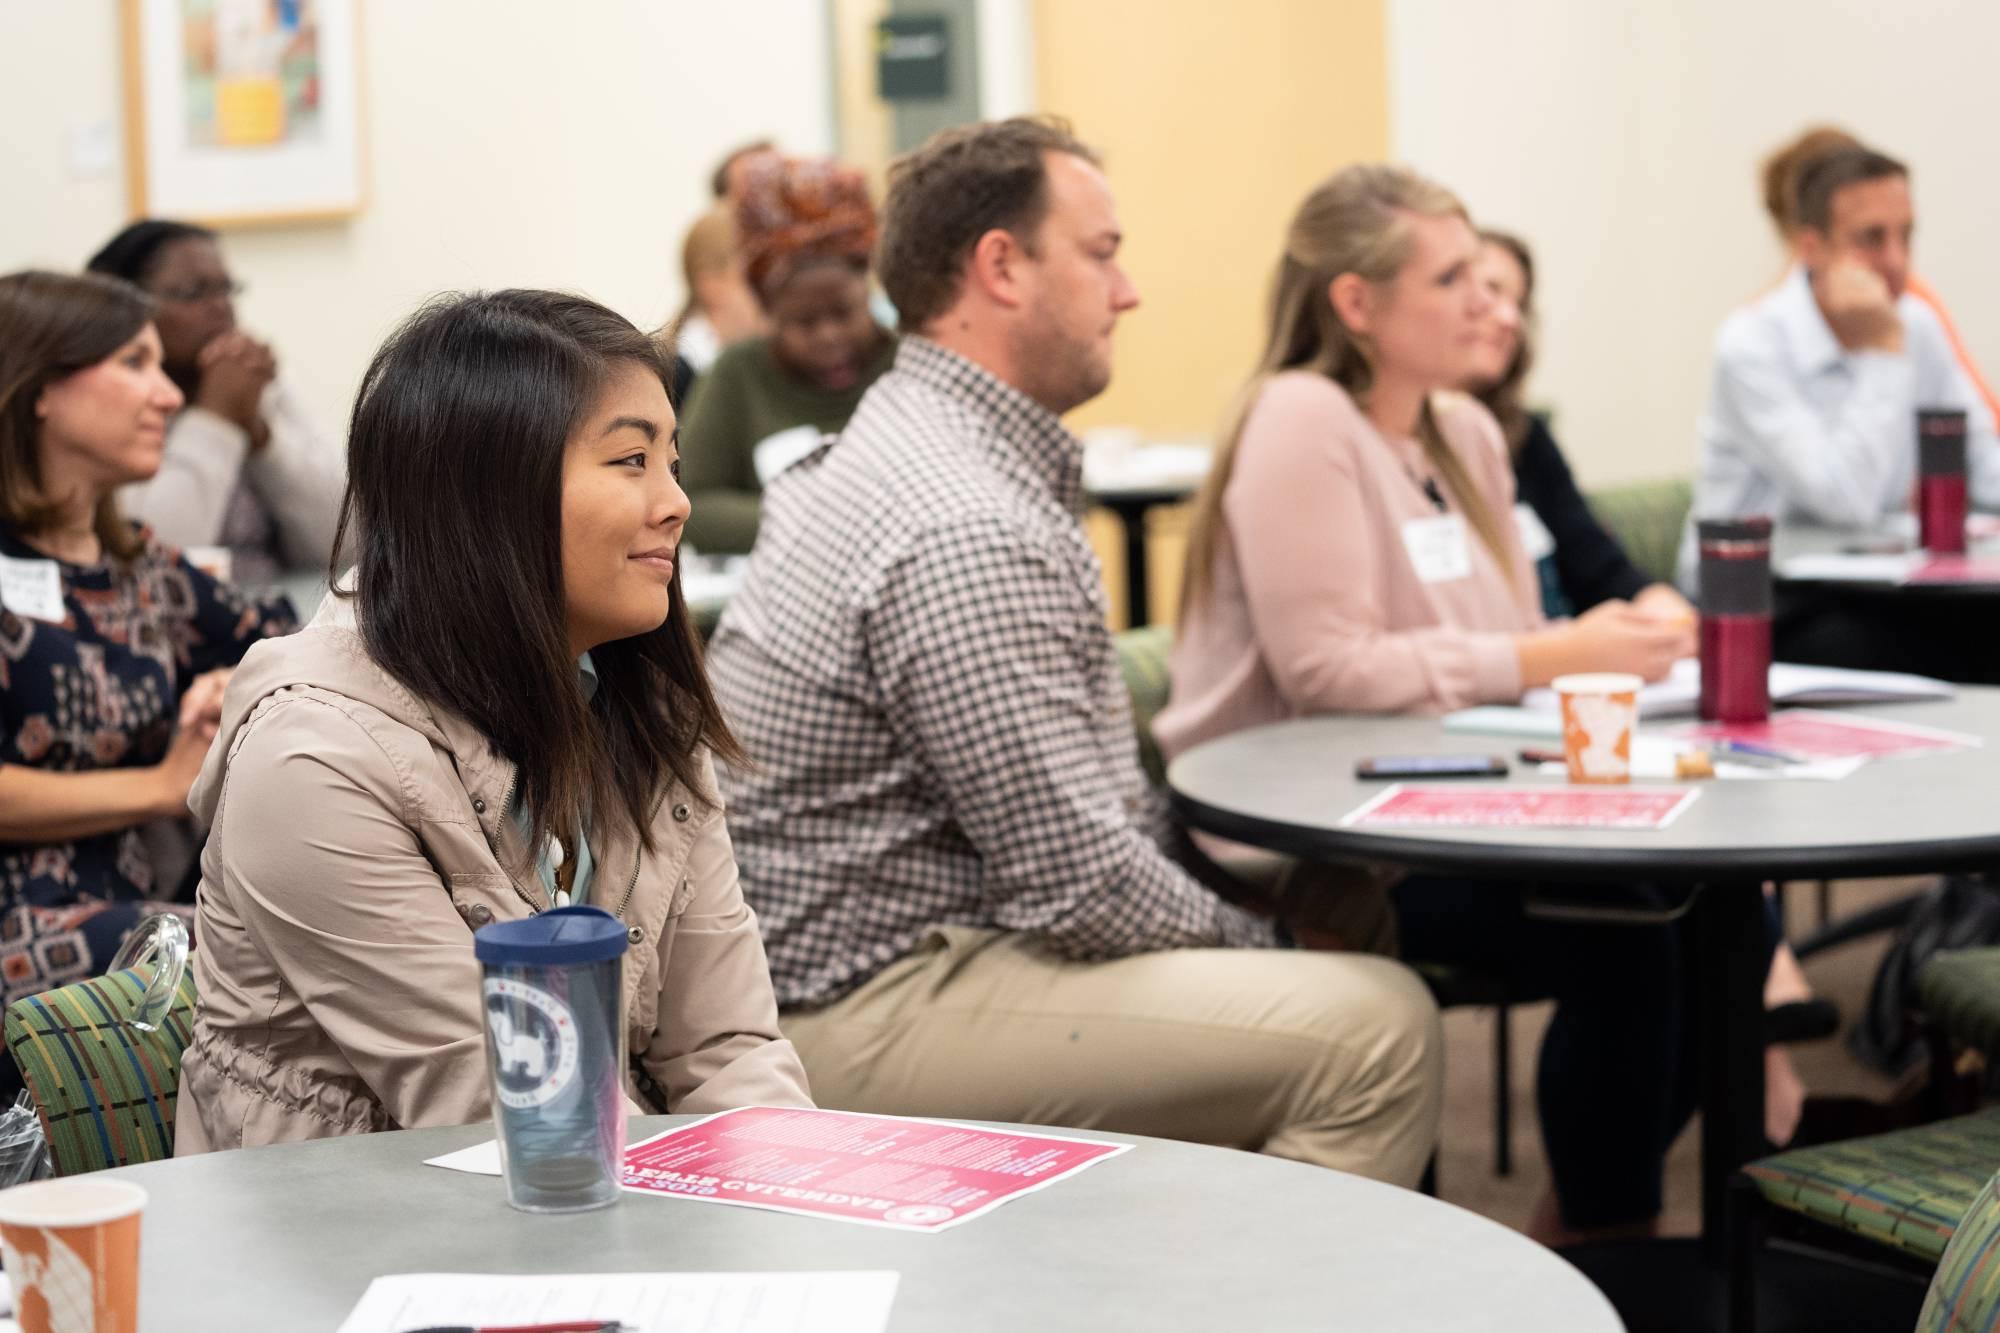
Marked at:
<point>1743,1225</point>
<point>1503,1090</point>
<point>1825,903</point>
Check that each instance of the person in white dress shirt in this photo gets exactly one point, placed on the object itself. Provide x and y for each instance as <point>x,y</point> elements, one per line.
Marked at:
<point>1811,414</point>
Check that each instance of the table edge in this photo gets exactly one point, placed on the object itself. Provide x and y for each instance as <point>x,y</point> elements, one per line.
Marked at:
<point>1488,860</point>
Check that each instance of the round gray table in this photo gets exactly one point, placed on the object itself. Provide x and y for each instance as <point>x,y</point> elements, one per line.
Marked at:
<point>1131,505</point>
<point>1841,619</point>
<point>1287,786</point>
<point>1792,540</point>
<point>1168,1236</point>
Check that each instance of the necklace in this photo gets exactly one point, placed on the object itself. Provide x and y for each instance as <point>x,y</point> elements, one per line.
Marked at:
<point>565,870</point>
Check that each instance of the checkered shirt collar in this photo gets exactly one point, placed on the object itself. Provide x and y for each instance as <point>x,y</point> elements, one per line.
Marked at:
<point>1026,438</point>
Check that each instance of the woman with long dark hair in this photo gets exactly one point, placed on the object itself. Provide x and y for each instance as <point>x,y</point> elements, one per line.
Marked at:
<point>113,649</point>
<point>505,712</point>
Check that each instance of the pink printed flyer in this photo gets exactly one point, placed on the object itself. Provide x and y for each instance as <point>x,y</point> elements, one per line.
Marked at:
<point>1460,806</point>
<point>885,1171</point>
<point>1809,734</point>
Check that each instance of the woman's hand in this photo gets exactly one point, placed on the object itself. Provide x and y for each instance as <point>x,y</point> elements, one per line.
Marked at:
<point>235,371</point>
<point>1611,636</point>
<point>200,719</point>
<point>1618,636</point>
<point>1663,601</point>
<point>201,704</point>
<point>173,777</point>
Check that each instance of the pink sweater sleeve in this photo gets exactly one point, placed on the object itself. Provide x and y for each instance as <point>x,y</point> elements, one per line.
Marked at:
<point>1309,552</point>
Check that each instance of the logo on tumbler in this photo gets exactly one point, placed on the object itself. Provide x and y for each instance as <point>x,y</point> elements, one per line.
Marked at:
<point>534,1042</point>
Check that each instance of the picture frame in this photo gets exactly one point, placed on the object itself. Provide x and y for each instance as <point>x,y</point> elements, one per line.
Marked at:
<point>242,113</point>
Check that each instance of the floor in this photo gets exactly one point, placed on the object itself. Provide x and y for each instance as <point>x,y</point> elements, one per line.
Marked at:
<point>1465,1161</point>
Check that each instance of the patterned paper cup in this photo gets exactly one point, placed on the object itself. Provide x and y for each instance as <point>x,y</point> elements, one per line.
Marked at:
<point>71,1247</point>
<point>1599,711</point>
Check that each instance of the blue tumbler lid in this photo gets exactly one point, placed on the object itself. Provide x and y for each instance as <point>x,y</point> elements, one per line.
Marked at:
<point>562,937</point>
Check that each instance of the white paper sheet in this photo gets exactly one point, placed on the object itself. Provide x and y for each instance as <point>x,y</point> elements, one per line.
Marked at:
<point>1848,567</point>
<point>1654,760</point>
<point>481,1159</point>
<point>645,1302</point>
<point>1680,693</point>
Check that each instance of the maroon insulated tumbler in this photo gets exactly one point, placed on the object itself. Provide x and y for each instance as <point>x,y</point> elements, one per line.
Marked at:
<point>1941,480</point>
<point>1735,596</point>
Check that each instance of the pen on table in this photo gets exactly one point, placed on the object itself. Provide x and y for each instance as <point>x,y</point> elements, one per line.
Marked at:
<point>580,1326</point>
<point>1757,756</point>
<point>1538,756</point>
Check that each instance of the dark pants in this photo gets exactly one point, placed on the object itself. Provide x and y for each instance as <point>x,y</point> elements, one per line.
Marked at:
<point>1931,634</point>
<point>1616,1079</point>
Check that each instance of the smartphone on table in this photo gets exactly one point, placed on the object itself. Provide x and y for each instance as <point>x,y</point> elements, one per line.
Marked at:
<point>1432,766</point>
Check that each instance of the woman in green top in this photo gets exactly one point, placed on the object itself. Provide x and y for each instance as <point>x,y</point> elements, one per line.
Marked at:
<point>805,229</point>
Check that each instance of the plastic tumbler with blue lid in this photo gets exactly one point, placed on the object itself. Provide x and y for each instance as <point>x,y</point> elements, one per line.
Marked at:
<point>555,1050</point>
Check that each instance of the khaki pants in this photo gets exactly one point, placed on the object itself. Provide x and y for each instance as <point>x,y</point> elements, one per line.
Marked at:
<point>1330,1059</point>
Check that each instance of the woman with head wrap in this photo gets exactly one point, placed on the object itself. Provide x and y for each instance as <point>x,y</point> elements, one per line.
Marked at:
<point>804,229</point>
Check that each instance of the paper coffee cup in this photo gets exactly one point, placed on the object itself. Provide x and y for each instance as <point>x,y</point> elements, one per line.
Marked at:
<point>71,1247</point>
<point>1599,712</point>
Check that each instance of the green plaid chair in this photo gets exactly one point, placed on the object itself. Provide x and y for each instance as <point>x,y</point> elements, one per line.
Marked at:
<point>105,1090</point>
<point>1647,518</point>
<point>1904,1192</point>
<point>1142,656</point>
<point>1965,1293</point>
<point>1959,990</point>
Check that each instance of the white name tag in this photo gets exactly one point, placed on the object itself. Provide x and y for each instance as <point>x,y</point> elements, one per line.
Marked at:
<point>1438,548</point>
<point>1535,534</point>
<point>774,453</point>
<point>32,588</point>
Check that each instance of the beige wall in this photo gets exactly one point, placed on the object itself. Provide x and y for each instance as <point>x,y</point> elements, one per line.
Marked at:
<point>1215,120</point>
<point>1622,140</point>
<point>511,143</point>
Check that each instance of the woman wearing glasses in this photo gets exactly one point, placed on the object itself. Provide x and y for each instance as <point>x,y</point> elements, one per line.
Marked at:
<point>244,470</point>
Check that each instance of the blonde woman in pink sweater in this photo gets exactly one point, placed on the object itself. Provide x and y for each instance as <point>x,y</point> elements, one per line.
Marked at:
<point>1355,551</point>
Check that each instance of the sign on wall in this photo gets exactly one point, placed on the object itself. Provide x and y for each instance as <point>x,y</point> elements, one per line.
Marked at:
<point>913,57</point>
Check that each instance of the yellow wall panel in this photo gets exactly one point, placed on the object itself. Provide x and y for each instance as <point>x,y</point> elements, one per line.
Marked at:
<point>1215,120</point>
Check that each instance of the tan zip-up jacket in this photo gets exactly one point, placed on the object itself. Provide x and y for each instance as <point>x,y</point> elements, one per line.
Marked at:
<point>357,838</point>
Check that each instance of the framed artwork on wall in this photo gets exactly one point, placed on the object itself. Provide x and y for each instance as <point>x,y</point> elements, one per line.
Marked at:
<point>243,112</point>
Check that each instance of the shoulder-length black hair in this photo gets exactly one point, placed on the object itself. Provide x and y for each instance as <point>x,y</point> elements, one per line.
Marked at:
<point>135,252</point>
<point>454,491</point>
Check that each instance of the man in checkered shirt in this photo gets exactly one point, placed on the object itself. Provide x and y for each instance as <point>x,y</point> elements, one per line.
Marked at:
<point>946,834</point>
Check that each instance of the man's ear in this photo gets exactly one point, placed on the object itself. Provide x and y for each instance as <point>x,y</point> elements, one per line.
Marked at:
<point>995,268</point>
<point>1813,247</point>
<point>1353,298</point>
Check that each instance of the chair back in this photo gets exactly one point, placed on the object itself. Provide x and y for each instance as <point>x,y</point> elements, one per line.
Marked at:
<point>1647,518</point>
<point>1965,1291</point>
<point>1142,656</point>
<point>104,1086</point>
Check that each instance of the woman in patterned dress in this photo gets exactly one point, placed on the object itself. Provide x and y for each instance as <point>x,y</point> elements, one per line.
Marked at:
<point>113,649</point>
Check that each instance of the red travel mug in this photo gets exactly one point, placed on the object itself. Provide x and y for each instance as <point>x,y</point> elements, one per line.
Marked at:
<point>1735,597</point>
<point>1941,486</point>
